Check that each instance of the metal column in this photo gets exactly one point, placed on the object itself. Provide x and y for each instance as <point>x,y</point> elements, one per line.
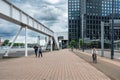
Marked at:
<point>82,32</point>
<point>112,32</point>
<point>6,54</point>
<point>102,39</point>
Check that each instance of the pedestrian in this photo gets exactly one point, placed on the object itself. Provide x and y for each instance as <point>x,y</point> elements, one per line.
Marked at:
<point>94,55</point>
<point>36,50</point>
<point>72,48</point>
<point>40,52</point>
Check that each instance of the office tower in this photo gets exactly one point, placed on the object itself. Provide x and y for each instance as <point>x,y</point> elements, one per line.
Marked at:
<point>91,13</point>
<point>74,20</point>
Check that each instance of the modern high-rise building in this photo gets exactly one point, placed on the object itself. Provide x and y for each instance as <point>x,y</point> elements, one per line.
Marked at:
<point>86,16</point>
<point>74,19</point>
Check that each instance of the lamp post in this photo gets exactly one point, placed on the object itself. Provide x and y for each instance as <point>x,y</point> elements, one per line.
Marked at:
<point>102,39</point>
<point>82,17</point>
<point>112,31</point>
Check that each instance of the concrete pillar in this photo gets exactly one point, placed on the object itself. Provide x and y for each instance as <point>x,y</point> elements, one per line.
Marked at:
<point>51,44</point>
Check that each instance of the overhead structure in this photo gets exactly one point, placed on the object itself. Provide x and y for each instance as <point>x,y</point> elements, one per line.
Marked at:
<point>11,13</point>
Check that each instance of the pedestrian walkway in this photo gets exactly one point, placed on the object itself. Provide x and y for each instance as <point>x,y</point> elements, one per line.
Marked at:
<point>114,62</point>
<point>56,65</point>
<point>109,67</point>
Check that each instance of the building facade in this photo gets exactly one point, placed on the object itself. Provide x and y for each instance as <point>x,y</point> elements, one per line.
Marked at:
<point>90,14</point>
<point>74,19</point>
<point>62,38</point>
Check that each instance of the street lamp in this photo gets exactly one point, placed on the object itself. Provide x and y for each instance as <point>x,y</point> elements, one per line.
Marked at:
<point>112,36</point>
<point>102,39</point>
<point>82,17</point>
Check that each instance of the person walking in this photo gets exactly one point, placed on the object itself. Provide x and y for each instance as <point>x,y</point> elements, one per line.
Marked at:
<point>40,52</point>
<point>94,55</point>
<point>36,50</point>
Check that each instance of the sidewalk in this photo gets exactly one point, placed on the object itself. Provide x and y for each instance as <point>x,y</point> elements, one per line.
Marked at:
<point>109,67</point>
<point>114,62</point>
<point>56,65</point>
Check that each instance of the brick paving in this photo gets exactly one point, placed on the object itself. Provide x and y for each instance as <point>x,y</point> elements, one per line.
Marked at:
<point>56,65</point>
<point>109,67</point>
<point>114,62</point>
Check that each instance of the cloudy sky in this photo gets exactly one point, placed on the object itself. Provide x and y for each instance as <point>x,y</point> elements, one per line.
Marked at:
<point>52,13</point>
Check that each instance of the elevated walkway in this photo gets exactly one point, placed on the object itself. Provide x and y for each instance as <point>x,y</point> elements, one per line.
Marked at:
<point>56,65</point>
<point>11,13</point>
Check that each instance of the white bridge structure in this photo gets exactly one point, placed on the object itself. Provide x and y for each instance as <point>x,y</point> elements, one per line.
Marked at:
<point>11,13</point>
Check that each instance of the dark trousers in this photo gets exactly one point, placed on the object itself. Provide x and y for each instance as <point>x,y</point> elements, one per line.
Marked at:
<point>40,54</point>
<point>36,52</point>
<point>94,56</point>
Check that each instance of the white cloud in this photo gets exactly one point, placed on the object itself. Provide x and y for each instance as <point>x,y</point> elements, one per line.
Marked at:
<point>53,1</point>
<point>59,27</point>
<point>28,8</point>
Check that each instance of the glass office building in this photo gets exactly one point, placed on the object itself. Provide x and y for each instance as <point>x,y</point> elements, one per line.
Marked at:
<point>74,19</point>
<point>94,12</point>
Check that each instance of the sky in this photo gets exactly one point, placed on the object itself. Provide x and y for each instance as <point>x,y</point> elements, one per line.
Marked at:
<point>51,13</point>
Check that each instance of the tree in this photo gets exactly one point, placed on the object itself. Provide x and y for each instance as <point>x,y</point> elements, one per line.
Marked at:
<point>6,42</point>
<point>17,44</point>
<point>80,42</point>
<point>72,43</point>
<point>89,44</point>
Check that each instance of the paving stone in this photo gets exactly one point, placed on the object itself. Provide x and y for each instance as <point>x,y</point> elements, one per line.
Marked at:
<point>56,65</point>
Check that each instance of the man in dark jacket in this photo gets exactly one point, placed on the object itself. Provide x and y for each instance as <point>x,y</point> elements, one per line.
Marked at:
<point>36,50</point>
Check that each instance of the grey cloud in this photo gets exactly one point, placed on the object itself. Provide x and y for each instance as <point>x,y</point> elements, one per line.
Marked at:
<point>34,34</point>
<point>51,15</point>
<point>47,14</point>
<point>7,29</point>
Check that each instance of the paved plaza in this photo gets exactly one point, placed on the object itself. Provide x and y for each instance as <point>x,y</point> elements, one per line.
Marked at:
<point>56,65</point>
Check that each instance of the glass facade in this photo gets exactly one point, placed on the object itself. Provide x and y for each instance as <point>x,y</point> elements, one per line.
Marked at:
<point>74,19</point>
<point>93,18</point>
<point>96,11</point>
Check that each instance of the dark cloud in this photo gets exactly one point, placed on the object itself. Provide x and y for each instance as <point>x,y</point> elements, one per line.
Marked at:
<point>7,29</point>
